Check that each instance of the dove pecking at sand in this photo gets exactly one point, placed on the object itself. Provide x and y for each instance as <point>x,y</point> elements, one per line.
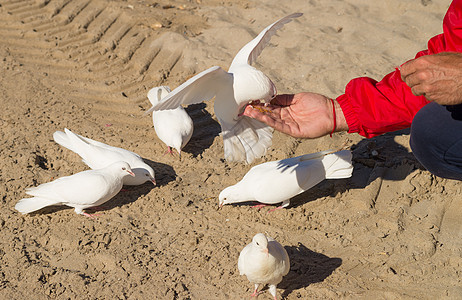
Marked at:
<point>244,138</point>
<point>278,181</point>
<point>82,190</point>
<point>264,261</point>
<point>98,155</point>
<point>174,126</point>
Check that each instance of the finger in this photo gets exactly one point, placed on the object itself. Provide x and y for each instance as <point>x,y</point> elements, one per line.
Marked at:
<point>418,90</point>
<point>257,111</point>
<point>276,122</point>
<point>407,69</point>
<point>412,80</point>
<point>254,113</point>
<point>273,120</point>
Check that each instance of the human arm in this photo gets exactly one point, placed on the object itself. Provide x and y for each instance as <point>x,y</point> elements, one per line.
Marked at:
<point>303,115</point>
<point>370,107</point>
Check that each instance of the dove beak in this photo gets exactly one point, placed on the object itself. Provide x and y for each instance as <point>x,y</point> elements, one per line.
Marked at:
<point>131,173</point>
<point>153,180</point>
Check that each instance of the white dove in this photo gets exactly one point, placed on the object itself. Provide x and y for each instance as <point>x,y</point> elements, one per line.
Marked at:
<point>244,138</point>
<point>278,181</point>
<point>98,155</point>
<point>264,261</point>
<point>81,190</point>
<point>174,127</point>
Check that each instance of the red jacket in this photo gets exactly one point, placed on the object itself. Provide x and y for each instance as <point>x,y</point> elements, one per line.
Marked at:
<point>372,108</point>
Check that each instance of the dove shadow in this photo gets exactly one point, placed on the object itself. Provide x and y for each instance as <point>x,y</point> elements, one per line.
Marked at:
<point>206,129</point>
<point>377,157</point>
<point>306,267</point>
<point>164,174</point>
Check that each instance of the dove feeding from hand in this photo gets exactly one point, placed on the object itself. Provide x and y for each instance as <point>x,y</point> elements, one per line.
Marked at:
<point>264,261</point>
<point>98,155</point>
<point>244,139</point>
<point>174,126</point>
<point>81,191</point>
<point>278,181</point>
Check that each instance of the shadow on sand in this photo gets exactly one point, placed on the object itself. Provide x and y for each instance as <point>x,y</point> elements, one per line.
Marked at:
<point>206,129</point>
<point>306,267</point>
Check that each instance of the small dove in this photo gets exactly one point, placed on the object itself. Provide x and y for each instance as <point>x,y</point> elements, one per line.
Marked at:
<point>264,261</point>
<point>278,181</point>
<point>81,190</point>
<point>98,155</point>
<point>174,127</point>
<point>244,138</point>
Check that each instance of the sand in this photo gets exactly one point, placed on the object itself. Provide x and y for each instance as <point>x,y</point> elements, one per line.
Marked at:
<point>392,231</point>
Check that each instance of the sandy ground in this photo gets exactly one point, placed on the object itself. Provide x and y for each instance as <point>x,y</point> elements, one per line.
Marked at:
<point>392,231</point>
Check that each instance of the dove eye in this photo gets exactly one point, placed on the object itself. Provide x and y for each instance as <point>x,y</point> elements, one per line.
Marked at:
<point>258,244</point>
<point>123,168</point>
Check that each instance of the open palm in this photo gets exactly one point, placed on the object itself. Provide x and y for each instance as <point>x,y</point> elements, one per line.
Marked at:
<point>303,115</point>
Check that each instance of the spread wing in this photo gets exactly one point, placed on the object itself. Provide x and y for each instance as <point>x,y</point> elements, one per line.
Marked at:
<point>203,86</point>
<point>249,53</point>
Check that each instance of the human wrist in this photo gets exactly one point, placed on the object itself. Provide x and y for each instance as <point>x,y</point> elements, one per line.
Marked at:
<point>340,121</point>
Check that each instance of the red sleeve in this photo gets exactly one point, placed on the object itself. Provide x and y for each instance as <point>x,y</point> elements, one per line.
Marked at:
<point>372,108</point>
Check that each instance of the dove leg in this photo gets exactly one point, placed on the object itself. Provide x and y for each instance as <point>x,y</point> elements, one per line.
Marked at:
<point>259,206</point>
<point>272,290</point>
<point>79,210</point>
<point>169,151</point>
<point>273,209</point>
<point>255,292</point>
<point>93,216</point>
<point>283,205</point>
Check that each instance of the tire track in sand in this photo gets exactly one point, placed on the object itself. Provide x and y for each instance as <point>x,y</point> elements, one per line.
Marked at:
<point>95,52</point>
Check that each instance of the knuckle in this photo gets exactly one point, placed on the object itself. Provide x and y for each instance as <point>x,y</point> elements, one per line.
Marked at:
<point>428,88</point>
<point>423,76</point>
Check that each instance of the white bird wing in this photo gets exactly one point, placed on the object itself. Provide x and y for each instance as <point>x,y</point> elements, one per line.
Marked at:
<point>280,253</point>
<point>241,262</point>
<point>286,182</point>
<point>293,176</point>
<point>284,163</point>
<point>249,53</point>
<point>84,188</point>
<point>246,140</point>
<point>201,87</point>
<point>124,152</point>
<point>95,154</point>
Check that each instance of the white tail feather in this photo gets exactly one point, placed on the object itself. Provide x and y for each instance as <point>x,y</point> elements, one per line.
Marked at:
<point>28,205</point>
<point>247,140</point>
<point>63,139</point>
<point>338,165</point>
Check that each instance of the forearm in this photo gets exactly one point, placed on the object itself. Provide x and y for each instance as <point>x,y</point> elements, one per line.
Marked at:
<point>372,108</point>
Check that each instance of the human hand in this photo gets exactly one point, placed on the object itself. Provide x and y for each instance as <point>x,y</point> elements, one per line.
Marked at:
<point>303,115</point>
<point>437,77</point>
